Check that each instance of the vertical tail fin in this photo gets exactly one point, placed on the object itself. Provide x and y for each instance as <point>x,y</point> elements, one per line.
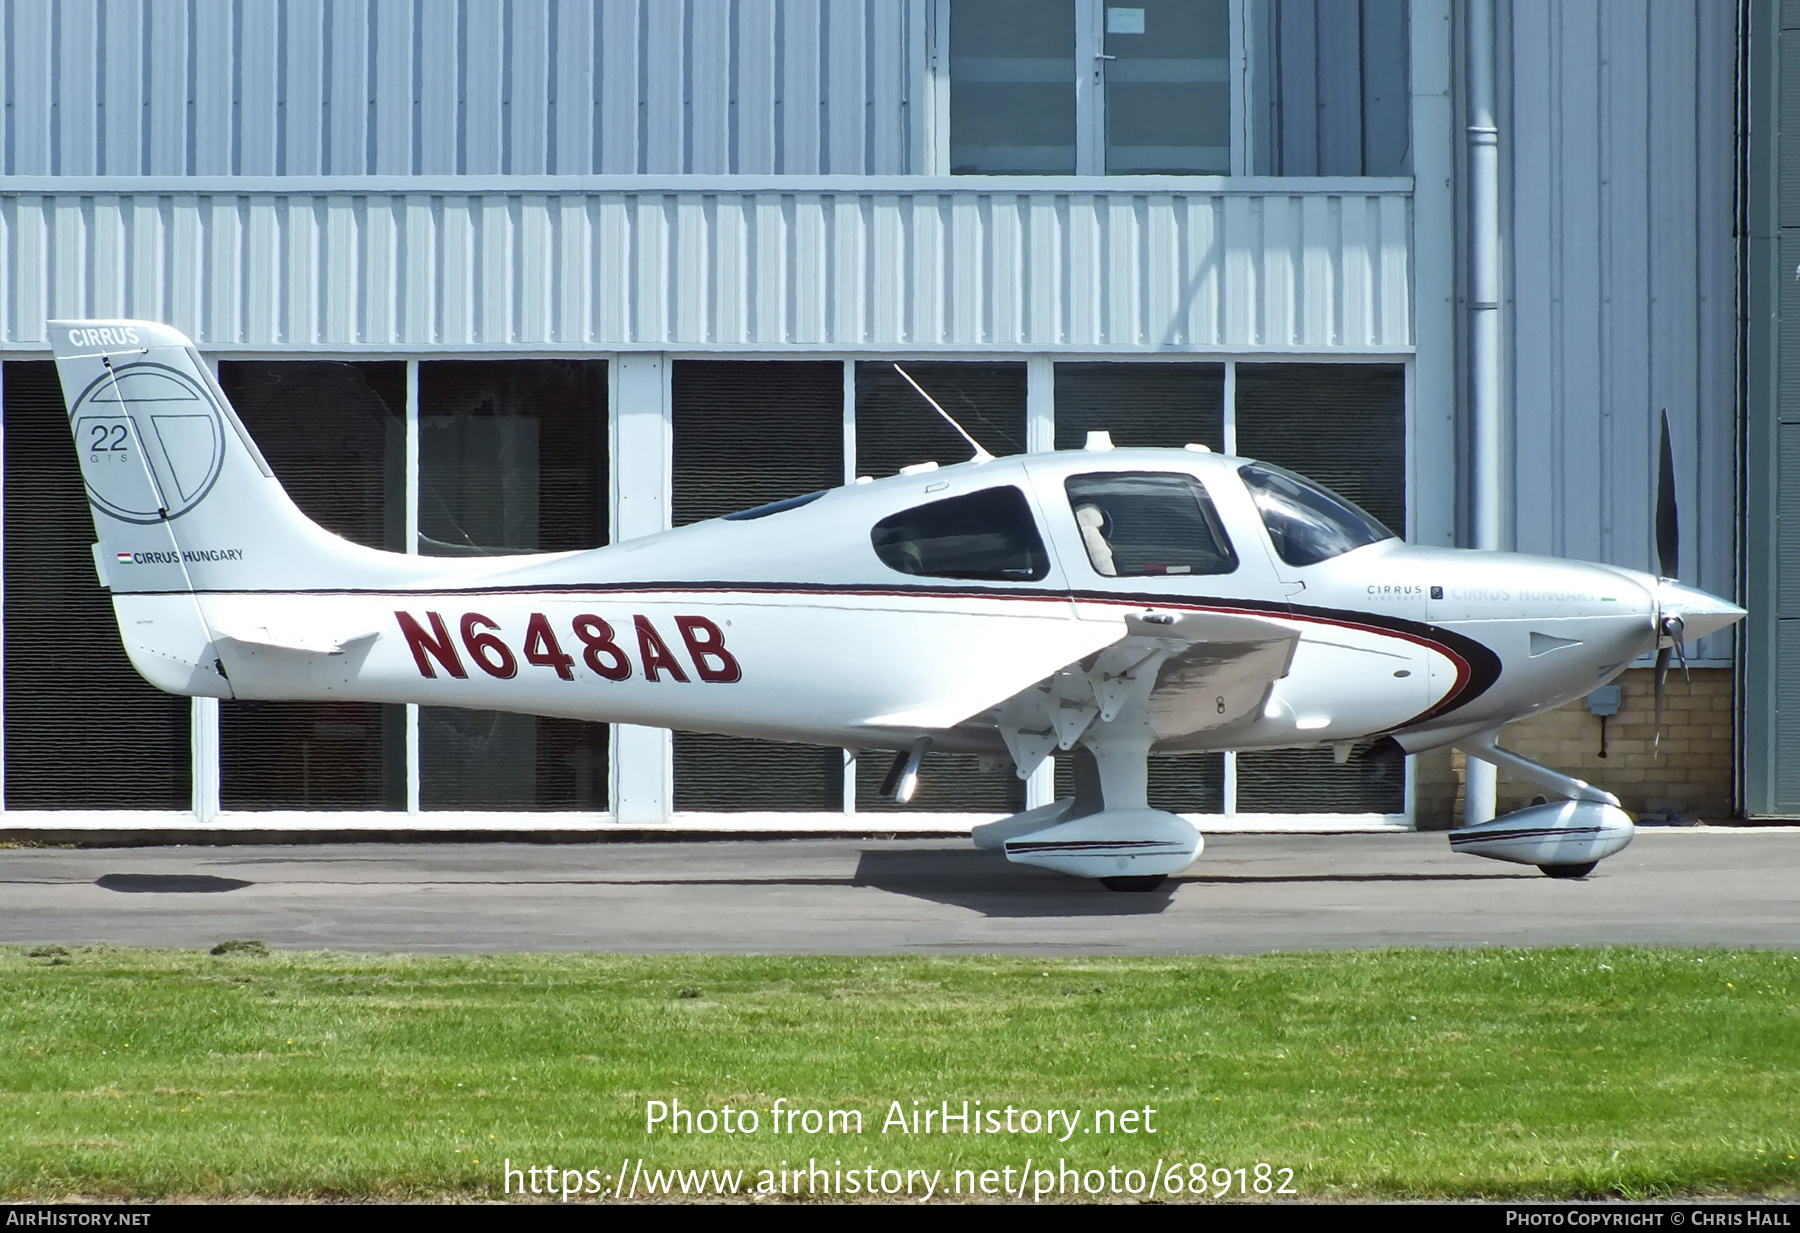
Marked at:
<point>183,502</point>
<point>182,499</point>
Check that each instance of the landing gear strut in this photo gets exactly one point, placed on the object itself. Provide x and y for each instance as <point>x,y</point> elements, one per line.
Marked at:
<point>1123,846</point>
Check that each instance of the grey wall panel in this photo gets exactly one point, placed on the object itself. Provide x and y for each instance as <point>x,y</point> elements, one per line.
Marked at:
<point>1330,84</point>
<point>1386,131</point>
<point>1621,279</point>
<point>77,119</point>
<point>921,264</point>
<point>476,87</point>
<point>28,76</point>
<point>1787,530</point>
<point>1786,724</point>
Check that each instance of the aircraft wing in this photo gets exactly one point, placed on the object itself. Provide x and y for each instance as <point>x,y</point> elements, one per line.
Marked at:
<point>1174,674</point>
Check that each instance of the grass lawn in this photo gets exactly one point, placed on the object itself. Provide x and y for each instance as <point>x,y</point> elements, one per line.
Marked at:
<point>1564,1073</point>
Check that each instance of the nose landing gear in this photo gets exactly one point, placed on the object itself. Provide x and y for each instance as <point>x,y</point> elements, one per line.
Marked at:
<point>1565,839</point>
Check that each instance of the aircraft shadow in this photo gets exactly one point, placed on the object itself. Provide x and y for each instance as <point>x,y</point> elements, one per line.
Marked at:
<point>1258,879</point>
<point>168,883</point>
<point>986,882</point>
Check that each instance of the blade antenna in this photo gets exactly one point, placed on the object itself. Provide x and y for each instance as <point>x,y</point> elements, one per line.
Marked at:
<point>981,455</point>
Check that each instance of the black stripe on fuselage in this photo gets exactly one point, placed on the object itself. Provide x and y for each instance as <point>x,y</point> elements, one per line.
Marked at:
<point>1536,832</point>
<point>1480,666</point>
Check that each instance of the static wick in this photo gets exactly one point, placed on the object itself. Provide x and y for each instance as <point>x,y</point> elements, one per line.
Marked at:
<point>981,455</point>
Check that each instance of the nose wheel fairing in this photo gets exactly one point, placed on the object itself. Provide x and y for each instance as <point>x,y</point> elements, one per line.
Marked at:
<point>1560,835</point>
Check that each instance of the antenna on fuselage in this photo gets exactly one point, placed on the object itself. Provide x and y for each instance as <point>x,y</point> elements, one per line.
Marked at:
<point>981,455</point>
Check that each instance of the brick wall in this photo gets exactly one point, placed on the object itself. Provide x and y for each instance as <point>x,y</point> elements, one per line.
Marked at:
<point>1691,773</point>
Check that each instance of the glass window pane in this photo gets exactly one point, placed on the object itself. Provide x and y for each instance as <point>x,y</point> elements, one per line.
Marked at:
<point>335,436</point>
<point>948,783</point>
<point>1340,425</point>
<point>748,434</point>
<point>1012,87</point>
<point>1149,405</point>
<point>730,774</point>
<point>1168,88</point>
<point>1135,525</point>
<point>1311,781</point>
<point>1179,783</point>
<point>83,729</point>
<point>1329,89</point>
<point>512,458</point>
<point>1307,523</point>
<point>751,432</point>
<point>471,759</point>
<point>988,535</point>
<point>1344,426</point>
<point>896,428</point>
<point>312,755</point>
<point>1141,405</point>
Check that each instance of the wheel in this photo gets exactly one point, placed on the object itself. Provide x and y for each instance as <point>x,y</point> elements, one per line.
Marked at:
<point>1147,883</point>
<point>1568,871</point>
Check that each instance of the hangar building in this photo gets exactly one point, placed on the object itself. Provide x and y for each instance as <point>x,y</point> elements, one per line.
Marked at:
<point>546,274</point>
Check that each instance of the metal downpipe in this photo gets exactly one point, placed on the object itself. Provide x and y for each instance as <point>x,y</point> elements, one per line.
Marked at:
<point>1486,464</point>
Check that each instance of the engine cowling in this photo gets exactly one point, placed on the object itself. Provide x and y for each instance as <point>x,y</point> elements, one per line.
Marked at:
<point>1559,833</point>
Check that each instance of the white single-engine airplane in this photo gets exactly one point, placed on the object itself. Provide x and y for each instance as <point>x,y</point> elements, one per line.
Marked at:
<point>1108,602</point>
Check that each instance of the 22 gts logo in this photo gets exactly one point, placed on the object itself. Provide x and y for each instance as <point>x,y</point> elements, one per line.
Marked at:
<point>599,645</point>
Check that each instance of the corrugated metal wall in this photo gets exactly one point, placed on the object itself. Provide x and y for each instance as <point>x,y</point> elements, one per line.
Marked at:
<point>1622,277</point>
<point>459,87</point>
<point>921,264</point>
<point>1330,89</point>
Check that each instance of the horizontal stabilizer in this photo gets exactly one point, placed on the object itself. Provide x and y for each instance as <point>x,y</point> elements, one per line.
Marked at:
<point>306,642</point>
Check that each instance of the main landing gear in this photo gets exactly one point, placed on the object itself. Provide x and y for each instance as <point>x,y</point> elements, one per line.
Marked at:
<point>1107,831</point>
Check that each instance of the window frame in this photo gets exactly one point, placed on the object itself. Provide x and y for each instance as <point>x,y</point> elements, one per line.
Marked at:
<point>1038,552</point>
<point>1203,502</point>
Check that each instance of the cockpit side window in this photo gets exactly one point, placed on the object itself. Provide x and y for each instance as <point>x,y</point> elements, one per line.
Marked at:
<point>1138,524</point>
<point>1307,522</point>
<point>986,536</point>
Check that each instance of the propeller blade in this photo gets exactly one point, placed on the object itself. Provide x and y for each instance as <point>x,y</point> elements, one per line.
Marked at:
<point>1662,677</point>
<point>1668,525</point>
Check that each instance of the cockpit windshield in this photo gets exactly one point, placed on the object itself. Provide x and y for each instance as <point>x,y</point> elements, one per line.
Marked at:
<point>1307,522</point>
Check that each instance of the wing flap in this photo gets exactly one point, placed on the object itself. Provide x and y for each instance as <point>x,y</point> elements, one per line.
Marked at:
<point>1221,673</point>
